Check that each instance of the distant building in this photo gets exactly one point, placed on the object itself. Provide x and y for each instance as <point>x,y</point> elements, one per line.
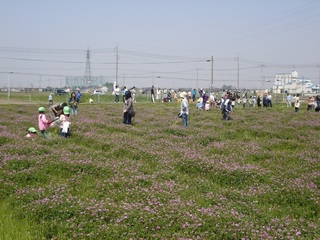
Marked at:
<point>290,82</point>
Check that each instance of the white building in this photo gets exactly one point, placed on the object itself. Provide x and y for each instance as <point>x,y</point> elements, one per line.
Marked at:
<point>290,82</point>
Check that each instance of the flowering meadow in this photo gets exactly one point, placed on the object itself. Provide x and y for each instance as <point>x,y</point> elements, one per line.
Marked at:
<point>254,177</point>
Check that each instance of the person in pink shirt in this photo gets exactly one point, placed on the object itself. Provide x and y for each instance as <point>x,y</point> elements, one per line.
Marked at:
<point>42,122</point>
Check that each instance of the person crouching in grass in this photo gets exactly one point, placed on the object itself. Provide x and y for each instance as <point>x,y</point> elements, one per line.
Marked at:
<point>32,133</point>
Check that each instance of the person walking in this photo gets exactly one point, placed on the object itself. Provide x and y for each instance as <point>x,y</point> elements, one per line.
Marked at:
<point>184,110</point>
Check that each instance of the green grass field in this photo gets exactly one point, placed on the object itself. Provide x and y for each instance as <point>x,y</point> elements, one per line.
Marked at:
<point>255,177</point>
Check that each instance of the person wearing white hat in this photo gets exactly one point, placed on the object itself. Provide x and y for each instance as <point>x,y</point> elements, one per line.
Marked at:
<point>184,111</point>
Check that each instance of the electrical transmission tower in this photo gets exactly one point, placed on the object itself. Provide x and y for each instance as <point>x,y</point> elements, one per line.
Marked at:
<point>87,80</point>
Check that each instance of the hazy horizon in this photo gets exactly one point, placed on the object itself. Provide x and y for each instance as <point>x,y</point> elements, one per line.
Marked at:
<point>161,43</point>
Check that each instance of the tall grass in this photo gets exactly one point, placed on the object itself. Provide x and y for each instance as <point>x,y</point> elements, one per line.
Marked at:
<point>255,177</point>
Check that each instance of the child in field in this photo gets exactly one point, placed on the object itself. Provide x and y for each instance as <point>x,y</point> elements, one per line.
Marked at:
<point>65,123</point>
<point>42,122</point>
<point>207,106</point>
<point>32,132</point>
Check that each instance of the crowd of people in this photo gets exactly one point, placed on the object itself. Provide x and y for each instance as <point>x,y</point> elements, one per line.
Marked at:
<point>61,113</point>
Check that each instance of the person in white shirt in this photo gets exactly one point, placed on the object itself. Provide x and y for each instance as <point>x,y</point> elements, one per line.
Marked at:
<point>269,102</point>
<point>288,100</point>
<point>184,110</point>
<point>116,94</point>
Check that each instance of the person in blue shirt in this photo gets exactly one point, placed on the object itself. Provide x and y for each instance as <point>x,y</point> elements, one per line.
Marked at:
<point>194,93</point>
<point>78,96</point>
<point>124,90</point>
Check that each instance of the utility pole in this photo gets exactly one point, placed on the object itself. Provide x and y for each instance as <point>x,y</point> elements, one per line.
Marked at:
<point>40,81</point>
<point>117,62</point>
<point>197,80</point>
<point>8,87</point>
<point>238,71</point>
<point>319,80</point>
<point>87,74</point>
<point>262,77</point>
<point>211,74</point>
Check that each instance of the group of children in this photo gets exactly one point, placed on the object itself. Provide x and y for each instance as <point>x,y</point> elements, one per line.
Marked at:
<point>62,117</point>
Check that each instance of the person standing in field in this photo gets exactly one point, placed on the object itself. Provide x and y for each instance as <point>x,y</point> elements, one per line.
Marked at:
<point>50,99</point>
<point>184,110</point>
<point>310,103</point>
<point>288,100</point>
<point>158,97</point>
<point>251,102</point>
<point>78,96</point>
<point>152,94</point>
<point>73,103</point>
<point>269,100</point>
<point>116,94</point>
<point>133,94</point>
<point>42,122</point>
<point>127,106</point>
<point>226,106</point>
<point>194,95</point>
<point>259,101</point>
<point>317,103</point>
<point>124,90</point>
<point>65,122</point>
<point>297,103</point>
<point>244,101</point>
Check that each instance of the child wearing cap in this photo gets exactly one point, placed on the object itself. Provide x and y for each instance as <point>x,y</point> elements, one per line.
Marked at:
<point>42,122</point>
<point>32,132</point>
<point>65,122</point>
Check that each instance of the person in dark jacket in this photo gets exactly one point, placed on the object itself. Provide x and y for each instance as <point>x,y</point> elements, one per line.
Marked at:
<point>128,105</point>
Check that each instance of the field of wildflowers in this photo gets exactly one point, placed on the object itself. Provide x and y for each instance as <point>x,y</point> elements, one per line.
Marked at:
<point>255,177</point>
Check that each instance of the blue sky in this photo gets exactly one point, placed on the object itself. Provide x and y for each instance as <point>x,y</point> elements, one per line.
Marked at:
<point>43,41</point>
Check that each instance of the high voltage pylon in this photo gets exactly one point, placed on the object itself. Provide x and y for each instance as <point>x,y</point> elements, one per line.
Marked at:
<point>87,80</point>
